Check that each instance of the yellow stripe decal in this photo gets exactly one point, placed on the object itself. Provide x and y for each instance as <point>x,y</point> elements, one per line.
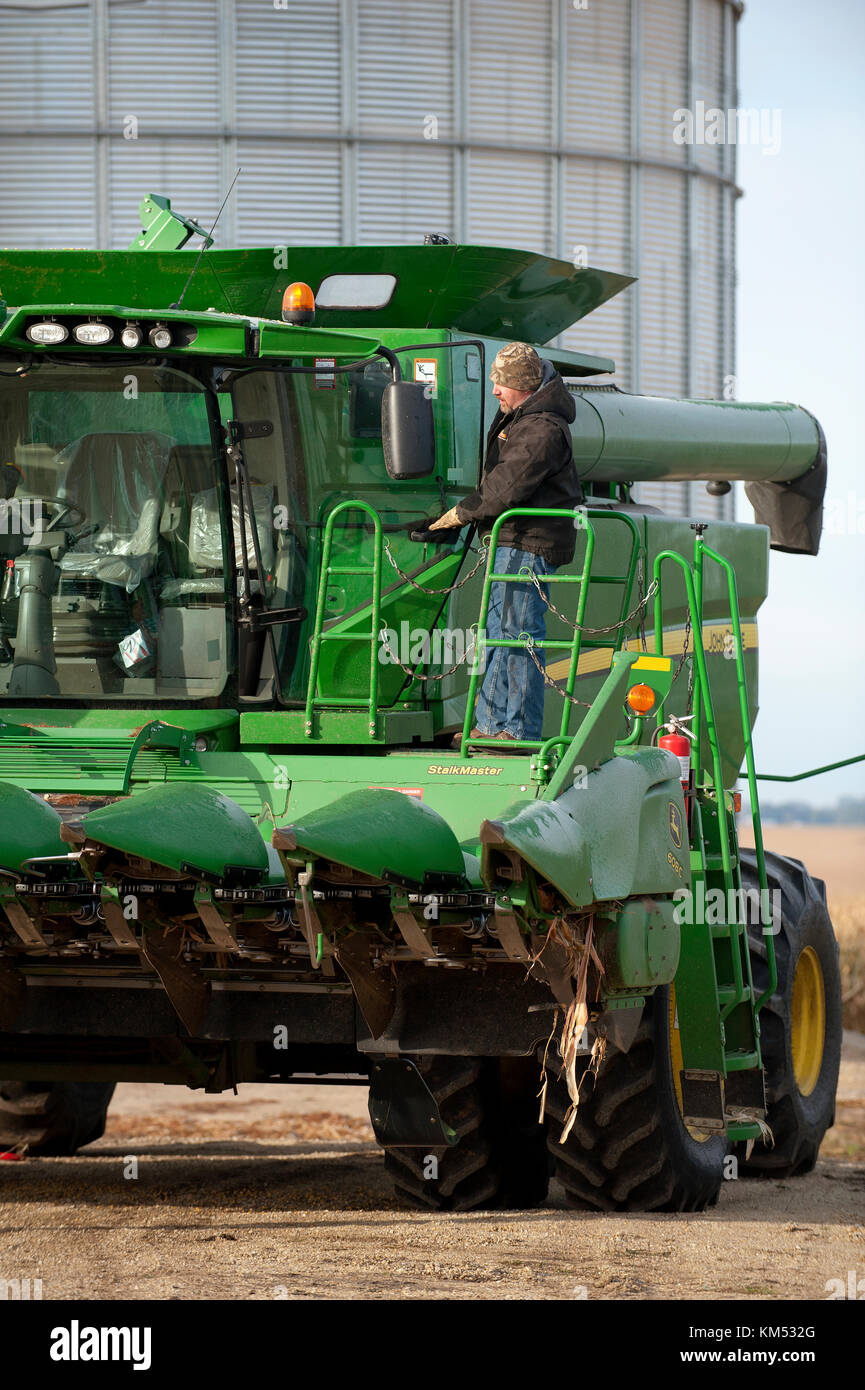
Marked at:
<point>717,637</point>
<point>652,663</point>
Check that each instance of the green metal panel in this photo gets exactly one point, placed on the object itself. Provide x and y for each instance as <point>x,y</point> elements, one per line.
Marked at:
<point>639,946</point>
<point>461,791</point>
<point>101,721</point>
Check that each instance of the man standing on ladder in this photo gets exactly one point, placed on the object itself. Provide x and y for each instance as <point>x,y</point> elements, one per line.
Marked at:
<point>529,463</point>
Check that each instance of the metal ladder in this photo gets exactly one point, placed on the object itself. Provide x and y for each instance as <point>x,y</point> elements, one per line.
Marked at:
<point>717,958</point>
<point>328,570</point>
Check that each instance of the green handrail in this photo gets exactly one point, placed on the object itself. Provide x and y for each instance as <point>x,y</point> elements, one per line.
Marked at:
<point>319,635</point>
<point>745,715</point>
<point>483,644</point>
<point>575,644</point>
<point>627,581</point>
<point>701,688</point>
<point>814,771</point>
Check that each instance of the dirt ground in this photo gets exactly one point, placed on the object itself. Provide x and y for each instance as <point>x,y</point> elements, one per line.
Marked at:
<point>280,1193</point>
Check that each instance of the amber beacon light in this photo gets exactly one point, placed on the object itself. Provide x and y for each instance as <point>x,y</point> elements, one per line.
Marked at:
<point>298,303</point>
<point>641,698</point>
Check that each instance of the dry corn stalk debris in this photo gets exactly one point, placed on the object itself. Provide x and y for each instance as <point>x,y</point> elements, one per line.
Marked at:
<point>579,955</point>
<point>736,1115</point>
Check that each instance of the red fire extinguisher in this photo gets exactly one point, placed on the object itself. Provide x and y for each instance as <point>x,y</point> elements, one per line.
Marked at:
<point>677,740</point>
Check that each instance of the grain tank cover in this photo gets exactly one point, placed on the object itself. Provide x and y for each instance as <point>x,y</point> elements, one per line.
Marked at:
<point>474,289</point>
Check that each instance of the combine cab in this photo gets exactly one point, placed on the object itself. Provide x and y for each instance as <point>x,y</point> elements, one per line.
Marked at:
<point>236,842</point>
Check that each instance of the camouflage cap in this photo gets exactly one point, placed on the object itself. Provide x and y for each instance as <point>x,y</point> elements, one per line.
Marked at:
<point>518,366</point>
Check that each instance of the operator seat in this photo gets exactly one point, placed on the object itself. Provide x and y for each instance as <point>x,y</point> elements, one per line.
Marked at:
<point>118,481</point>
<point>206,581</point>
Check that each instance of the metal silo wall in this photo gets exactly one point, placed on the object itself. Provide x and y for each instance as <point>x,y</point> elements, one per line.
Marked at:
<point>515,122</point>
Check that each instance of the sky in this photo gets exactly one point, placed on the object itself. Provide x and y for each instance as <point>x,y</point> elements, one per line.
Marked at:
<point>801,330</point>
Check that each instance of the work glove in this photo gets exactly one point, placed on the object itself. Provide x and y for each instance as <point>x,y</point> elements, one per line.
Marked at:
<point>444,531</point>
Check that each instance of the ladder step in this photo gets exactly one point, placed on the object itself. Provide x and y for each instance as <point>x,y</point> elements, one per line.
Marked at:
<point>740,1060</point>
<point>714,861</point>
<point>726,931</point>
<point>727,994</point>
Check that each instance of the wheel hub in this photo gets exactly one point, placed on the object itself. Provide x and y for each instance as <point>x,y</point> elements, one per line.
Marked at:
<point>808,1021</point>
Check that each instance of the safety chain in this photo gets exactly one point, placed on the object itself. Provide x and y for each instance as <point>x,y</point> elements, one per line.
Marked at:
<point>410,671</point>
<point>530,648</point>
<point>682,659</point>
<point>641,582</point>
<point>579,627</point>
<point>453,587</point>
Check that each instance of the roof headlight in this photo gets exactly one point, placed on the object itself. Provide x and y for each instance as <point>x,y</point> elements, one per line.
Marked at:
<point>160,336</point>
<point>131,336</point>
<point>48,332</point>
<point>92,334</point>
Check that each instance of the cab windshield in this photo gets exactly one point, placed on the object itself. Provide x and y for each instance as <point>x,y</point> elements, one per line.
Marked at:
<point>113,556</point>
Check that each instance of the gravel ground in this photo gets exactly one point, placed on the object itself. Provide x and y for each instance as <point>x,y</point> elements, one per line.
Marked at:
<point>280,1193</point>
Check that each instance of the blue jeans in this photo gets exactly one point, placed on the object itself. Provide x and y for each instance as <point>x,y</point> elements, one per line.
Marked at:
<point>511,699</point>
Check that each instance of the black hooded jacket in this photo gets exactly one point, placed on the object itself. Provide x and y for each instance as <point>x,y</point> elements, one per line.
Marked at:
<point>530,463</point>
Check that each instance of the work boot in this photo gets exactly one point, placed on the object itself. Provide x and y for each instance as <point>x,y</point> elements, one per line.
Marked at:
<point>456,741</point>
<point>503,737</point>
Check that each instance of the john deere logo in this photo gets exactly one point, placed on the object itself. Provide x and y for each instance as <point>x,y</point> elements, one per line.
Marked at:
<point>675,825</point>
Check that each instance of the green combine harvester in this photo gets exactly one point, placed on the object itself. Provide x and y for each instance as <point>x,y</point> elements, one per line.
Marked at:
<point>237,842</point>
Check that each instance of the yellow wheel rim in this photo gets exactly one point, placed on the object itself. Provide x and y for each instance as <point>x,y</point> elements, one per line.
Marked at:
<point>808,1021</point>
<point>676,1065</point>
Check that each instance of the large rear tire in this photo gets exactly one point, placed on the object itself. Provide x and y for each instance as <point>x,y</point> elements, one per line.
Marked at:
<point>629,1149</point>
<point>800,1025</point>
<point>500,1159</point>
<point>52,1118</point>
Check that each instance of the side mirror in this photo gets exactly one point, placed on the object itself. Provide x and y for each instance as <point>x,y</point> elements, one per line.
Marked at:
<point>407,430</point>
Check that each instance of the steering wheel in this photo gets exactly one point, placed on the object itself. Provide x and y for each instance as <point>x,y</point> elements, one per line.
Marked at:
<point>67,508</point>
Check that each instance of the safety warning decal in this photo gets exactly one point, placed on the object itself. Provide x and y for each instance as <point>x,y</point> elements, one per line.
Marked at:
<point>425,370</point>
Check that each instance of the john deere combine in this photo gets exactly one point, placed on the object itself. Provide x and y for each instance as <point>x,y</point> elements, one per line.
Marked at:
<point>235,840</point>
